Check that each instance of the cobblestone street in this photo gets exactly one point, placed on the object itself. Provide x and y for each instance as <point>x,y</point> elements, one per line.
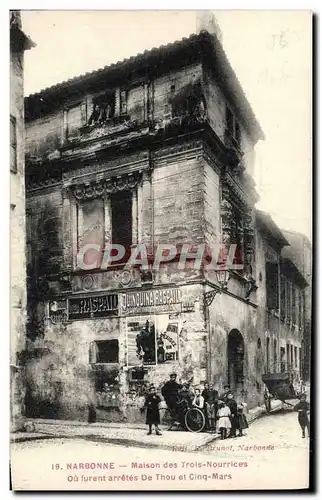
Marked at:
<point>274,451</point>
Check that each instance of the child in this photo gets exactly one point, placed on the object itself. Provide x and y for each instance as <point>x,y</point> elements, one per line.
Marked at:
<point>241,419</point>
<point>210,396</point>
<point>223,416</point>
<point>151,404</point>
<point>198,400</point>
<point>303,409</point>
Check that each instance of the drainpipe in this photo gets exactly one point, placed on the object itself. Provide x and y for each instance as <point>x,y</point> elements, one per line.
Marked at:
<point>208,330</point>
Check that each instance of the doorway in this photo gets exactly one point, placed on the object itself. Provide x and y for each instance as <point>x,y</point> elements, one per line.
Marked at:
<point>235,356</point>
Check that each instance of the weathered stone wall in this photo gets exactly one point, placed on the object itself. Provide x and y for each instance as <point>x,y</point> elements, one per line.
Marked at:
<point>45,135</point>
<point>44,221</point>
<point>177,79</point>
<point>216,112</point>
<point>60,379</point>
<point>227,313</point>
<point>211,186</point>
<point>272,327</point>
<point>18,298</point>
<point>177,201</point>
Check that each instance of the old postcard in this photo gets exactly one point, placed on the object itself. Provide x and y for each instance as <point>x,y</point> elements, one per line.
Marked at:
<point>160,250</point>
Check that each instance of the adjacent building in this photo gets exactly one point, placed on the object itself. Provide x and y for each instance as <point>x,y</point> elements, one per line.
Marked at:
<point>156,149</point>
<point>300,253</point>
<point>19,42</point>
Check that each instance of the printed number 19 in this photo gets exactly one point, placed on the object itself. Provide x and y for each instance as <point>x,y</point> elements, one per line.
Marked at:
<point>55,466</point>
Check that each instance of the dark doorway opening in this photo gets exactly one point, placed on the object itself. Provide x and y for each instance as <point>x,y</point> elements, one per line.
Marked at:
<point>235,355</point>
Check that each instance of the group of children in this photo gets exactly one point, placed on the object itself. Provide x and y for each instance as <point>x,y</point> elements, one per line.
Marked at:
<point>222,413</point>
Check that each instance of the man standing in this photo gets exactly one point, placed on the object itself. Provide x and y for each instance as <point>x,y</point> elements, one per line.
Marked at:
<point>232,405</point>
<point>170,392</point>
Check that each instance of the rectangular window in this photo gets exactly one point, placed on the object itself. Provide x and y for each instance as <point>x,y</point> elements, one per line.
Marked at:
<point>283,297</point>
<point>121,207</point>
<point>295,357</point>
<point>294,305</point>
<point>123,102</point>
<point>91,230</point>
<point>301,308</point>
<point>275,355</point>
<point>282,356</point>
<point>272,285</point>
<point>13,144</point>
<point>292,357</point>
<point>289,301</point>
<point>103,108</point>
<point>107,351</point>
<point>300,361</point>
<point>229,121</point>
<point>75,118</point>
<point>268,361</point>
<point>288,359</point>
<point>237,133</point>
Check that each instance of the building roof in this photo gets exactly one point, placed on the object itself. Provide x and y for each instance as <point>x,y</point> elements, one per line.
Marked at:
<point>299,252</point>
<point>203,43</point>
<point>265,222</point>
<point>288,266</point>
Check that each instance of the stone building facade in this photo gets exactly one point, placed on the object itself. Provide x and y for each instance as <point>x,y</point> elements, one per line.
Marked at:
<point>157,149</point>
<point>300,253</point>
<point>19,42</point>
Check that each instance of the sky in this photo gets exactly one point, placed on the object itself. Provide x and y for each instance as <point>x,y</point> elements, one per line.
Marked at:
<point>270,52</point>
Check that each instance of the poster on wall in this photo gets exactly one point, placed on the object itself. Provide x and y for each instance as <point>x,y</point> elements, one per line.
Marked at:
<point>152,340</point>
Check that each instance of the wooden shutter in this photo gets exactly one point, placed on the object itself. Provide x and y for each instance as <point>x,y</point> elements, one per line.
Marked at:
<point>271,285</point>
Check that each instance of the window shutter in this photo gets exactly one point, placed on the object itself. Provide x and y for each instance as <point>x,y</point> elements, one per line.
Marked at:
<point>271,285</point>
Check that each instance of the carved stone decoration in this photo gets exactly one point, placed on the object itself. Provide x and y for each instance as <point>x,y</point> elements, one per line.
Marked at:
<point>88,282</point>
<point>249,243</point>
<point>146,276</point>
<point>226,217</point>
<point>98,189</point>
<point>57,311</point>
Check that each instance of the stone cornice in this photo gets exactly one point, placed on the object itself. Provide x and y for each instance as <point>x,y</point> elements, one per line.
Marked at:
<point>97,189</point>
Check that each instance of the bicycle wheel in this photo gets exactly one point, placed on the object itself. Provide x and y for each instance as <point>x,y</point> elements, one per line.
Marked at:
<point>194,420</point>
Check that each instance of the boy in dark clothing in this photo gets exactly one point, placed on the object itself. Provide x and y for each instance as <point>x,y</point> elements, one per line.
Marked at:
<point>224,395</point>
<point>232,405</point>
<point>185,394</point>
<point>210,396</point>
<point>303,409</point>
<point>151,404</point>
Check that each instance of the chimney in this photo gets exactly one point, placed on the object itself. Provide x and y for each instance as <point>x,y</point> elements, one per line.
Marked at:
<point>206,21</point>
